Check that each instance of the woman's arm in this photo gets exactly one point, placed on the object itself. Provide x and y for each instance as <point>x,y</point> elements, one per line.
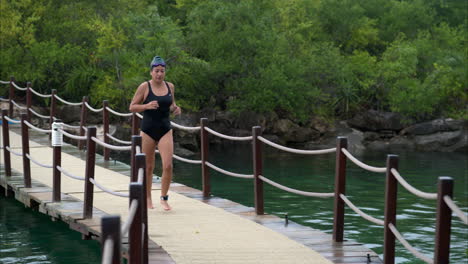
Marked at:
<point>136,104</point>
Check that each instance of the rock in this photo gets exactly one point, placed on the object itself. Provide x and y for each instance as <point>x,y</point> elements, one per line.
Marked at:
<point>438,125</point>
<point>373,120</point>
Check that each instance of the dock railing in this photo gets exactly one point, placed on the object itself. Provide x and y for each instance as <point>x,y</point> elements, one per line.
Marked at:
<point>138,212</point>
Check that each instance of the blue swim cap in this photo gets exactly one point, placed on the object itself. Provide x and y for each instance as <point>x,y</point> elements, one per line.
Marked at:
<point>157,61</point>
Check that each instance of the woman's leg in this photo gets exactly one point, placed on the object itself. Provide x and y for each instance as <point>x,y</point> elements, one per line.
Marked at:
<point>166,149</point>
<point>149,146</point>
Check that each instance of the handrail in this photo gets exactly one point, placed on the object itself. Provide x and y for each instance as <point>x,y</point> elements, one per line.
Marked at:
<point>67,102</point>
<point>4,82</point>
<point>297,151</point>
<point>37,114</point>
<point>13,120</point>
<point>411,189</point>
<point>291,190</point>
<point>109,146</point>
<point>19,88</point>
<point>408,246</point>
<point>118,140</point>
<point>107,190</point>
<point>131,216</point>
<point>185,127</point>
<point>245,176</point>
<point>186,160</point>
<point>226,136</point>
<point>360,212</point>
<point>39,94</point>
<point>456,209</point>
<point>13,152</point>
<point>36,128</point>
<point>65,133</point>
<point>37,162</point>
<point>118,113</point>
<point>17,105</point>
<point>93,109</point>
<point>69,174</point>
<point>361,164</point>
<point>108,251</point>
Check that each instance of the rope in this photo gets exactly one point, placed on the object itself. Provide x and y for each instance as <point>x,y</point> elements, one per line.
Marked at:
<point>66,102</point>
<point>109,146</point>
<point>408,246</point>
<point>93,109</point>
<point>297,151</point>
<point>4,82</point>
<point>245,176</point>
<point>361,213</point>
<point>71,135</point>
<point>138,150</point>
<point>130,218</point>
<point>36,162</point>
<point>19,88</point>
<point>291,190</point>
<point>226,136</point>
<point>17,105</point>
<point>4,100</point>
<point>184,127</point>
<point>15,153</point>
<point>455,209</point>
<point>107,190</point>
<point>141,171</point>
<point>117,113</point>
<point>361,164</point>
<point>108,251</point>
<point>118,140</point>
<point>411,189</point>
<point>139,115</point>
<point>186,160</point>
<point>12,120</point>
<point>36,128</point>
<point>39,94</point>
<point>37,114</point>
<point>69,174</point>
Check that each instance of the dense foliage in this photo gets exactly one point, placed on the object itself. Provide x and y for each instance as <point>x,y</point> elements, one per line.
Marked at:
<point>298,58</point>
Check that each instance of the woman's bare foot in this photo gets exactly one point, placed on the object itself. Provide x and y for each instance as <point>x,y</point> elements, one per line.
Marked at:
<point>165,205</point>
<point>149,203</point>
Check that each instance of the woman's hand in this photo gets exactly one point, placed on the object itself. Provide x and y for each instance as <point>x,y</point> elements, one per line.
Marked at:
<point>152,105</point>
<point>176,110</point>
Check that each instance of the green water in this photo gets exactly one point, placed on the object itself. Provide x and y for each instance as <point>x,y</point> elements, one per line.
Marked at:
<point>31,237</point>
<point>416,216</point>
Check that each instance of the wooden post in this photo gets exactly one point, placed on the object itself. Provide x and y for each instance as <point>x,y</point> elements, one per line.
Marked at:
<point>82,120</point>
<point>110,226</point>
<point>390,210</point>
<point>136,141</point>
<point>258,169</point>
<point>89,172</point>
<point>6,142</point>
<point>11,97</point>
<point>25,141</point>
<point>444,221</point>
<point>135,124</point>
<point>140,160</point>
<point>56,161</point>
<point>135,232</point>
<point>105,123</point>
<point>340,188</point>
<point>28,100</point>
<point>204,157</point>
<point>53,106</point>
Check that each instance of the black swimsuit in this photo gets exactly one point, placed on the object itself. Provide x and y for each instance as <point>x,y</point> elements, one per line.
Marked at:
<point>156,122</point>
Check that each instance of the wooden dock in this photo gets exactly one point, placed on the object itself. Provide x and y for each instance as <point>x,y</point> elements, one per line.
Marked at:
<point>197,230</point>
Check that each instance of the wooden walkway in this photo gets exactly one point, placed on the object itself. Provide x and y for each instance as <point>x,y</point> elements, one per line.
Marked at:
<point>197,230</point>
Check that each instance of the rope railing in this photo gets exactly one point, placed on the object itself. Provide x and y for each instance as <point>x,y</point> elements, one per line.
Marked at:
<point>407,245</point>
<point>360,212</point>
<point>67,102</point>
<point>141,172</point>
<point>361,164</point>
<point>19,88</point>
<point>4,100</point>
<point>109,146</point>
<point>185,127</point>
<point>291,190</point>
<point>38,115</point>
<point>107,190</point>
<point>226,136</point>
<point>36,128</point>
<point>108,251</point>
<point>186,160</point>
<point>13,152</point>
<point>65,133</point>
<point>118,113</point>
<point>37,162</point>
<point>456,209</point>
<point>131,216</point>
<point>4,82</point>
<point>17,105</point>
<point>93,109</point>
<point>13,120</point>
<point>69,174</point>
<point>119,140</point>
<point>297,151</point>
<point>139,115</point>
<point>138,149</point>
<point>411,189</point>
<point>238,175</point>
<point>39,94</point>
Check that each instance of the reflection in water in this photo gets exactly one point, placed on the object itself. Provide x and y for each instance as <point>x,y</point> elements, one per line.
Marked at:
<point>416,216</point>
